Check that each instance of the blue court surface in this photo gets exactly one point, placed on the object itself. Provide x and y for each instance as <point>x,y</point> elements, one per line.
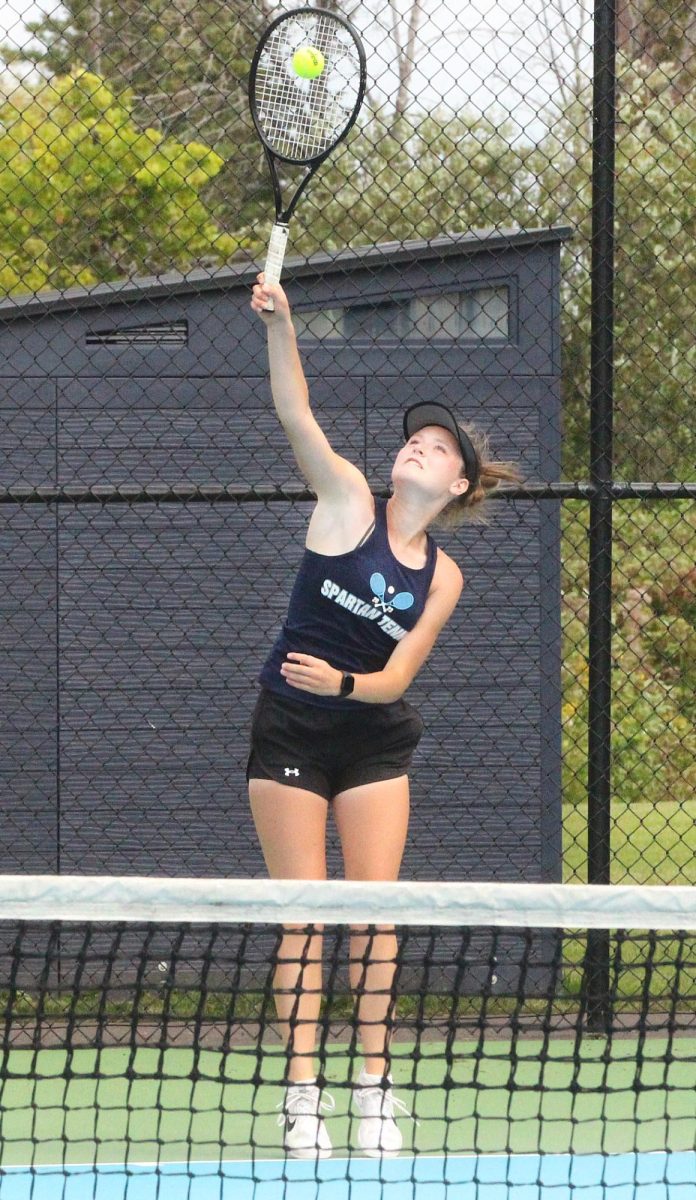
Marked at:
<point>653,1176</point>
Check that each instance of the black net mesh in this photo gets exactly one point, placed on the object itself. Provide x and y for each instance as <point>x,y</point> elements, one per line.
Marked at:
<point>152,1057</point>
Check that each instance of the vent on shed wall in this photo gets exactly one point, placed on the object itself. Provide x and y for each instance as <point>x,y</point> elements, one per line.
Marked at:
<point>171,333</point>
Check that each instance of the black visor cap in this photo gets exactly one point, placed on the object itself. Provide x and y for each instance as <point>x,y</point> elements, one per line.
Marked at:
<point>431,412</point>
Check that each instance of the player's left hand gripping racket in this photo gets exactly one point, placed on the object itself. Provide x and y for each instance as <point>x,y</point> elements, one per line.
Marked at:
<point>306,87</point>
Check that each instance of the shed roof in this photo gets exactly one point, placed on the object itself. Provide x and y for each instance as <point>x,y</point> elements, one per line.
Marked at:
<point>202,279</point>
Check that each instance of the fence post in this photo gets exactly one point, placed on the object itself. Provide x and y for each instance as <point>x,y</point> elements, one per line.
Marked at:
<point>601,472</point>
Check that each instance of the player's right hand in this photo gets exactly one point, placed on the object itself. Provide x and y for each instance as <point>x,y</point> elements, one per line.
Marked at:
<point>263,292</point>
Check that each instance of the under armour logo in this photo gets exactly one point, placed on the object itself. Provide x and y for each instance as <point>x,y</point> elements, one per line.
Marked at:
<point>292,770</point>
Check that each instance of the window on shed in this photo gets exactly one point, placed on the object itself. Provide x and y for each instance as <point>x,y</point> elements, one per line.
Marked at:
<point>472,315</point>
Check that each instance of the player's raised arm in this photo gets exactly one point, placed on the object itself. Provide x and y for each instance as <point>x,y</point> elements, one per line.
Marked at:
<point>327,473</point>
<point>288,383</point>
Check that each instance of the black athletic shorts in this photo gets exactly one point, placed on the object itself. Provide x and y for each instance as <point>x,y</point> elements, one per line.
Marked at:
<point>326,750</point>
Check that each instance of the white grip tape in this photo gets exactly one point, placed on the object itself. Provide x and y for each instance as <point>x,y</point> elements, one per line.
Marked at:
<point>275,257</point>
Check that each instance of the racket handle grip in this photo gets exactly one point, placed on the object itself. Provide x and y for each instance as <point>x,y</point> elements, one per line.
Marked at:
<point>275,257</point>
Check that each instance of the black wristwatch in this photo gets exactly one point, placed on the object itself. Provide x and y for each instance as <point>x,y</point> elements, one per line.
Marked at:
<point>347,684</point>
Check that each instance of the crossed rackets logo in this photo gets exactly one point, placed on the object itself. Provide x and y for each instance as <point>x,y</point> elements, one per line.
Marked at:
<point>400,601</point>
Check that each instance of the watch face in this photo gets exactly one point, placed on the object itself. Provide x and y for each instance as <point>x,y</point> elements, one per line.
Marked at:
<point>347,685</point>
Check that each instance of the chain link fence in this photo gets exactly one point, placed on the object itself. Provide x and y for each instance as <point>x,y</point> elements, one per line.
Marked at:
<point>128,158</point>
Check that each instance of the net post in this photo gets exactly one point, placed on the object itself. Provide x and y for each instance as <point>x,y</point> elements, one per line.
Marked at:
<point>601,471</point>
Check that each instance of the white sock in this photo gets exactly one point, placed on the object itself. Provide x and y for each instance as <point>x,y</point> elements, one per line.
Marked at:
<point>302,1083</point>
<point>367,1080</point>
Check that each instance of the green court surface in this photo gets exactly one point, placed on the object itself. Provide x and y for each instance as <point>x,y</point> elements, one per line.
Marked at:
<point>147,1106</point>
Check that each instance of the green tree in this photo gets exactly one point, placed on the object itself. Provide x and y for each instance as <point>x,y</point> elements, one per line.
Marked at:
<point>660,33</point>
<point>421,176</point>
<point>183,61</point>
<point>86,196</point>
<point>184,65</point>
<point>655,299</point>
<point>417,177</point>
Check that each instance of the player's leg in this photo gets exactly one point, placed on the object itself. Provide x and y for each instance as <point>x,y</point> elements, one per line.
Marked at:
<point>288,792</point>
<point>372,822</point>
<point>291,826</point>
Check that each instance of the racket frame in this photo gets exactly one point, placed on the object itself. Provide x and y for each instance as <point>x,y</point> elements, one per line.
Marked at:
<point>279,233</point>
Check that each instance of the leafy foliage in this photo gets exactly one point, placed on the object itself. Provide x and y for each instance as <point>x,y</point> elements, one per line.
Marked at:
<point>86,196</point>
<point>654,660</point>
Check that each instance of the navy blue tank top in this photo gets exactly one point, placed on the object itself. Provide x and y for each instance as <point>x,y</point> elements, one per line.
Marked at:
<point>350,609</point>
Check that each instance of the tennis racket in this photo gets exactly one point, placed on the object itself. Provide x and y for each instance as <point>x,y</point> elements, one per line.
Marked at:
<point>301,119</point>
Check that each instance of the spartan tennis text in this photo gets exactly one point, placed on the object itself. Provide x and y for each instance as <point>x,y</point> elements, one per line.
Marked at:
<point>362,609</point>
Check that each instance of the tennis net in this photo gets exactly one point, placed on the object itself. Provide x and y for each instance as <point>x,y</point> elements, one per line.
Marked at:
<point>523,1041</point>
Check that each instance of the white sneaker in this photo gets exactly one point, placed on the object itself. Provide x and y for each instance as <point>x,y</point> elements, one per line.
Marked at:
<point>378,1133</point>
<point>305,1132</point>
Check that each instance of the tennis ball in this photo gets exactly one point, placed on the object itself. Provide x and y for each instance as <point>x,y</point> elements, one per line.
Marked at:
<point>308,62</point>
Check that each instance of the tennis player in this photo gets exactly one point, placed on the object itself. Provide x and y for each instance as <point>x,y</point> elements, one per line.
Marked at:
<point>331,725</point>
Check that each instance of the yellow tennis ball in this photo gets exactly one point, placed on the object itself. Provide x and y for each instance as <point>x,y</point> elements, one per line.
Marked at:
<point>308,62</point>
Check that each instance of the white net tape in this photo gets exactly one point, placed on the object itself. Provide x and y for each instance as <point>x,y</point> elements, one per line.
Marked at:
<point>537,905</point>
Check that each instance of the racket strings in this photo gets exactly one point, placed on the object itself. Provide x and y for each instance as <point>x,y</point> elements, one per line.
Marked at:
<point>303,118</point>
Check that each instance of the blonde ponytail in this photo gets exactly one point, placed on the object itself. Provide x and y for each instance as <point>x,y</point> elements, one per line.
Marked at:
<point>472,508</point>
